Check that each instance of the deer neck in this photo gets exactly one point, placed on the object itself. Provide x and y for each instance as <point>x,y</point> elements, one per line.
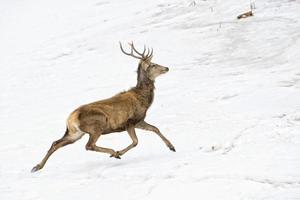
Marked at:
<point>145,88</point>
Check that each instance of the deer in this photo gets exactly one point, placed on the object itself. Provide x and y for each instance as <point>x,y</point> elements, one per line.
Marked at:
<point>125,111</point>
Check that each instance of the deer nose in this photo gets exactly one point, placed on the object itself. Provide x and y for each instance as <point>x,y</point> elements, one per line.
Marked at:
<point>167,69</point>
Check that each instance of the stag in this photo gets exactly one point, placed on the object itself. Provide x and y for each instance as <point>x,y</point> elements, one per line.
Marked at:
<point>122,112</point>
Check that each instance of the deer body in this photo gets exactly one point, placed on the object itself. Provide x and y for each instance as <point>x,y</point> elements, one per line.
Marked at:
<point>113,114</point>
<point>125,111</point>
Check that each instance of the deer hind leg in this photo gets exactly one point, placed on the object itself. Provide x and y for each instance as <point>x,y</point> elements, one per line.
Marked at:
<point>68,138</point>
<point>145,126</point>
<point>91,146</point>
<point>134,138</point>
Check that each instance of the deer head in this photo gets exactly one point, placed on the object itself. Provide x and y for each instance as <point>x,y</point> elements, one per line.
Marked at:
<point>147,69</point>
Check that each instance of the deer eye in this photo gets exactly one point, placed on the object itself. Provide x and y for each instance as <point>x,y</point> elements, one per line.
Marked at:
<point>151,66</point>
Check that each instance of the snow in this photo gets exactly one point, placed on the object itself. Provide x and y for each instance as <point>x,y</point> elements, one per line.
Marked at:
<point>229,104</point>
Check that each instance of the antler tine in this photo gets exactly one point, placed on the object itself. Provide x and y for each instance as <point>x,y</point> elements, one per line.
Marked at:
<point>148,53</point>
<point>136,51</point>
<point>131,53</point>
<point>144,49</point>
<point>123,49</point>
<point>151,54</point>
<point>145,55</point>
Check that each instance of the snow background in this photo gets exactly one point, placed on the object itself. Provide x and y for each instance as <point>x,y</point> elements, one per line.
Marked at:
<point>230,103</point>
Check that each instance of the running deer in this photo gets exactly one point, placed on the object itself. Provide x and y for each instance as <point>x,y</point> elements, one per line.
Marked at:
<point>125,111</point>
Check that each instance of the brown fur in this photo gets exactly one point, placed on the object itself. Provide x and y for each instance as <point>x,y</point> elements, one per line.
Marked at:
<point>125,111</point>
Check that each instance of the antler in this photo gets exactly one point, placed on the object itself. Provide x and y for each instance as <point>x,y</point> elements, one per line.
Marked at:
<point>141,56</point>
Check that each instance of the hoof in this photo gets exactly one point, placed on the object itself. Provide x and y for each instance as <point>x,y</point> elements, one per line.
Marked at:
<point>116,155</point>
<point>172,149</point>
<point>36,168</point>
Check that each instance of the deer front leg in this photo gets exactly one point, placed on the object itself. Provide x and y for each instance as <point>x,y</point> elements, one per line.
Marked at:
<point>134,138</point>
<point>145,126</point>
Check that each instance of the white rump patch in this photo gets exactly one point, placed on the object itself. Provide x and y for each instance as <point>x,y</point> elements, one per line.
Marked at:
<point>78,134</point>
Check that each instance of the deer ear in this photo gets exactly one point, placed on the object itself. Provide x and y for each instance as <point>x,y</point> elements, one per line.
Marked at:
<point>148,59</point>
<point>145,64</point>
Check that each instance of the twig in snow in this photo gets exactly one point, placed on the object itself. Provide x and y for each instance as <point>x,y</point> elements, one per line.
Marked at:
<point>245,15</point>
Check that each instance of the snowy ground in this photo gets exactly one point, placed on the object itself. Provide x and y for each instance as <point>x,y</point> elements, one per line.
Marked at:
<point>230,103</point>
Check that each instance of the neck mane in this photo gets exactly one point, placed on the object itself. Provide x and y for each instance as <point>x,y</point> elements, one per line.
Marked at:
<point>145,87</point>
<point>143,82</point>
